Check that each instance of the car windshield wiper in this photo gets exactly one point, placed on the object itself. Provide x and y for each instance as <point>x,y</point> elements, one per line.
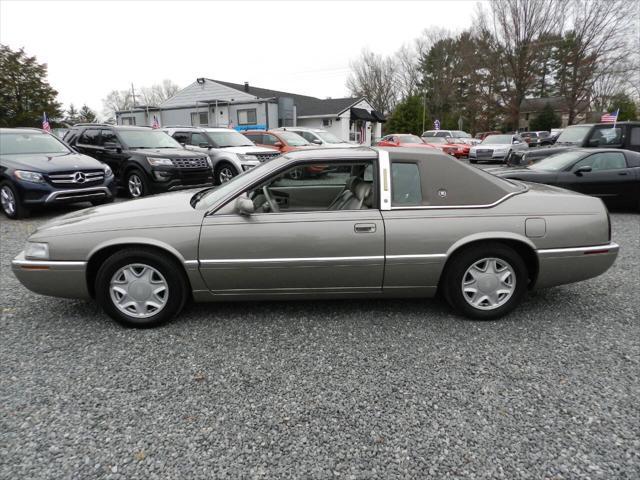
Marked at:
<point>198,195</point>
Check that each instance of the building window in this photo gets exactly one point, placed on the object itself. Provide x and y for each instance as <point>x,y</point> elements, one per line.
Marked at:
<point>327,122</point>
<point>199,119</point>
<point>128,121</point>
<point>247,117</point>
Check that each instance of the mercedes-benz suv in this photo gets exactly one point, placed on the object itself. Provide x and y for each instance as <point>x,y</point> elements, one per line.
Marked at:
<point>37,169</point>
<point>231,153</point>
<point>144,160</point>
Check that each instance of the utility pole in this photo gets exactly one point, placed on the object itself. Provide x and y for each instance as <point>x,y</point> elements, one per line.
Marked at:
<point>424,108</point>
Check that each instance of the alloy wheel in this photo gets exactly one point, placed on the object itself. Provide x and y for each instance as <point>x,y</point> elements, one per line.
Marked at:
<point>8,201</point>
<point>135,185</point>
<point>225,174</point>
<point>139,291</point>
<point>489,283</point>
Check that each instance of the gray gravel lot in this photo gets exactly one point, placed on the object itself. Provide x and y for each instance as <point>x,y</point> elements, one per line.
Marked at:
<point>347,389</point>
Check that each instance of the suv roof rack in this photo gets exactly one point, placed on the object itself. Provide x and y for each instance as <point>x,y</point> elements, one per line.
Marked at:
<point>93,123</point>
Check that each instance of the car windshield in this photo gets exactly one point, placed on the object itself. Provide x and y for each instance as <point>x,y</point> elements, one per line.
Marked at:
<point>437,140</point>
<point>574,134</point>
<point>410,139</point>
<point>430,133</point>
<point>328,137</point>
<point>557,162</point>
<point>147,139</point>
<point>498,139</point>
<point>460,134</point>
<point>229,138</point>
<point>293,139</point>
<point>26,143</point>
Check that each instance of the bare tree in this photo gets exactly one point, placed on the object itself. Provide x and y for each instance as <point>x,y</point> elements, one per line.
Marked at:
<point>158,93</point>
<point>408,74</point>
<point>373,76</point>
<point>516,27</point>
<point>115,101</point>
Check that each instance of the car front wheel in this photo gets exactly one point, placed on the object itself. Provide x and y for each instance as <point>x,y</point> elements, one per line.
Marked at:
<point>485,281</point>
<point>10,202</point>
<point>136,184</point>
<point>225,172</point>
<point>141,288</point>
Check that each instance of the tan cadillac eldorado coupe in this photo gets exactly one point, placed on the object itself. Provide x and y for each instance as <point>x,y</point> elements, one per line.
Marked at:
<point>360,222</point>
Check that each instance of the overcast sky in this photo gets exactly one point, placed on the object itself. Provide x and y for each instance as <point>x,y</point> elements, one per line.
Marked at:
<point>303,47</point>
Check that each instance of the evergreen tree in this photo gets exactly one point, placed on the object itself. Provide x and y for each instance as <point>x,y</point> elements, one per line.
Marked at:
<point>87,115</point>
<point>628,109</point>
<point>25,93</point>
<point>545,120</point>
<point>407,117</point>
<point>71,116</point>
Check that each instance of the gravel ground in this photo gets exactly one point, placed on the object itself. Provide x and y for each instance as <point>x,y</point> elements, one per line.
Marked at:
<point>348,389</point>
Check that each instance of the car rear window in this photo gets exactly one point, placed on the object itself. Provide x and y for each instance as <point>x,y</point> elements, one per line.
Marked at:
<point>405,184</point>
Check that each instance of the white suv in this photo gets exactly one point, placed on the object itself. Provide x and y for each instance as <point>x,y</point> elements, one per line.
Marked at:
<point>231,152</point>
<point>318,136</point>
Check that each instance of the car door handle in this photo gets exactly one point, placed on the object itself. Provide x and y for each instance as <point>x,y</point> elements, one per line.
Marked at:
<point>365,227</point>
<point>623,173</point>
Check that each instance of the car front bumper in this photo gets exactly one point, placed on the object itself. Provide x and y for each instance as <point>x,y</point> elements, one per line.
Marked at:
<point>34,194</point>
<point>559,266</point>
<point>53,278</point>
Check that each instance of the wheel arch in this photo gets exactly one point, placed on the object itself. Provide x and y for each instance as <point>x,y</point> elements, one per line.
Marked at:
<point>522,245</point>
<point>103,251</point>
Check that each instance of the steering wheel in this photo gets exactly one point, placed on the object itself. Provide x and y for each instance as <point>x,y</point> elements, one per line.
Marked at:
<point>272,203</point>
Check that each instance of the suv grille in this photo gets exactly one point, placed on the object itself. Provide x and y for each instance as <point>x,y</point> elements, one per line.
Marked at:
<point>263,157</point>
<point>77,179</point>
<point>190,162</point>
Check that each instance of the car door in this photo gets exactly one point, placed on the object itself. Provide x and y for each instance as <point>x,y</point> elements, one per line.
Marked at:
<point>112,152</point>
<point>609,178</point>
<point>634,138</point>
<point>295,251</point>
<point>89,143</point>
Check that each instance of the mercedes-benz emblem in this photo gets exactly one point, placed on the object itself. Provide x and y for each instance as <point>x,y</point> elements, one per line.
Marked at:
<point>79,177</point>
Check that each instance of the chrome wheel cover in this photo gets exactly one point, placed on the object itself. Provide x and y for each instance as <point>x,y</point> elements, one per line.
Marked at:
<point>139,291</point>
<point>225,174</point>
<point>135,185</point>
<point>8,201</point>
<point>489,283</point>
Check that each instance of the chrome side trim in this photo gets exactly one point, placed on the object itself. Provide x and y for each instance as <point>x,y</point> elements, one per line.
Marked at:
<point>290,260</point>
<point>417,256</point>
<point>384,173</point>
<point>191,262</point>
<point>47,263</point>
<point>188,187</point>
<point>457,207</point>
<point>71,193</point>
<point>608,248</point>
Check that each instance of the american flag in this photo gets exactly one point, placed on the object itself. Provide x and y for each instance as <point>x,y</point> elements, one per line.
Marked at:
<point>156,123</point>
<point>45,123</point>
<point>610,117</point>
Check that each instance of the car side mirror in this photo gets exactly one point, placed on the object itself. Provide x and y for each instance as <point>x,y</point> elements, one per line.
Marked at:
<point>244,206</point>
<point>583,169</point>
<point>204,145</point>
<point>516,142</point>
<point>184,145</point>
<point>594,142</point>
<point>278,144</point>
<point>317,141</point>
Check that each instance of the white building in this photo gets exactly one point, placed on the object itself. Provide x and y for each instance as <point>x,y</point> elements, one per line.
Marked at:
<point>215,103</point>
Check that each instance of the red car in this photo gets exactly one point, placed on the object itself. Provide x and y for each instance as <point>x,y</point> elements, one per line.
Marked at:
<point>402,140</point>
<point>452,146</point>
<point>283,141</point>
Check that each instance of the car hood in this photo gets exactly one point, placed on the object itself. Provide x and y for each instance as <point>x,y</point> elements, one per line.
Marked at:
<point>53,162</point>
<point>491,145</point>
<point>246,150</point>
<point>165,210</point>
<point>168,152</point>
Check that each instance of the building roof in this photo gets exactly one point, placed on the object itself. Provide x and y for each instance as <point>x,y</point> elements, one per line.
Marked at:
<point>212,90</point>
<point>559,104</point>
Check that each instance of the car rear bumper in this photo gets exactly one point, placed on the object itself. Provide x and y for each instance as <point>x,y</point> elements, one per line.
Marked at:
<point>53,278</point>
<point>558,266</point>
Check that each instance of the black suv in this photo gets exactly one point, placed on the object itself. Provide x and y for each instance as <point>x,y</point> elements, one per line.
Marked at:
<point>624,135</point>
<point>37,169</point>
<point>143,160</point>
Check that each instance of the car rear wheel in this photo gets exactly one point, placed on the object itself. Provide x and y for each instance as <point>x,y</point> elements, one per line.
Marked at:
<point>225,172</point>
<point>141,288</point>
<point>137,185</point>
<point>485,281</point>
<point>10,202</point>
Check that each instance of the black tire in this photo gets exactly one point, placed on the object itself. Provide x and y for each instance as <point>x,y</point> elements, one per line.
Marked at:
<point>138,178</point>
<point>224,172</point>
<point>10,202</point>
<point>168,267</point>
<point>455,273</point>
<point>473,161</point>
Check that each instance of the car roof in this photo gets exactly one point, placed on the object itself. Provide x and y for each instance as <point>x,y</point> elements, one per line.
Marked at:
<point>23,130</point>
<point>341,153</point>
<point>305,129</point>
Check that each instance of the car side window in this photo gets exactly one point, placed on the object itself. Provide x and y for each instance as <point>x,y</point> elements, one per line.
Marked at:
<point>308,136</point>
<point>254,137</point>
<point>91,136</point>
<point>198,138</point>
<point>182,137</point>
<point>108,136</point>
<point>268,139</point>
<point>605,135</point>
<point>634,138</point>
<point>442,134</point>
<point>603,161</point>
<point>406,187</point>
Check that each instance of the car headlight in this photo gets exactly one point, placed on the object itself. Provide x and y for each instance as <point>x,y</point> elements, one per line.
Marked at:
<point>33,177</point>
<point>209,161</point>
<point>38,251</point>
<point>159,162</point>
<point>107,171</point>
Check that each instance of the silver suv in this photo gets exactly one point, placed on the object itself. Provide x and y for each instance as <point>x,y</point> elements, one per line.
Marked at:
<point>231,152</point>
<point>318,136</point>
